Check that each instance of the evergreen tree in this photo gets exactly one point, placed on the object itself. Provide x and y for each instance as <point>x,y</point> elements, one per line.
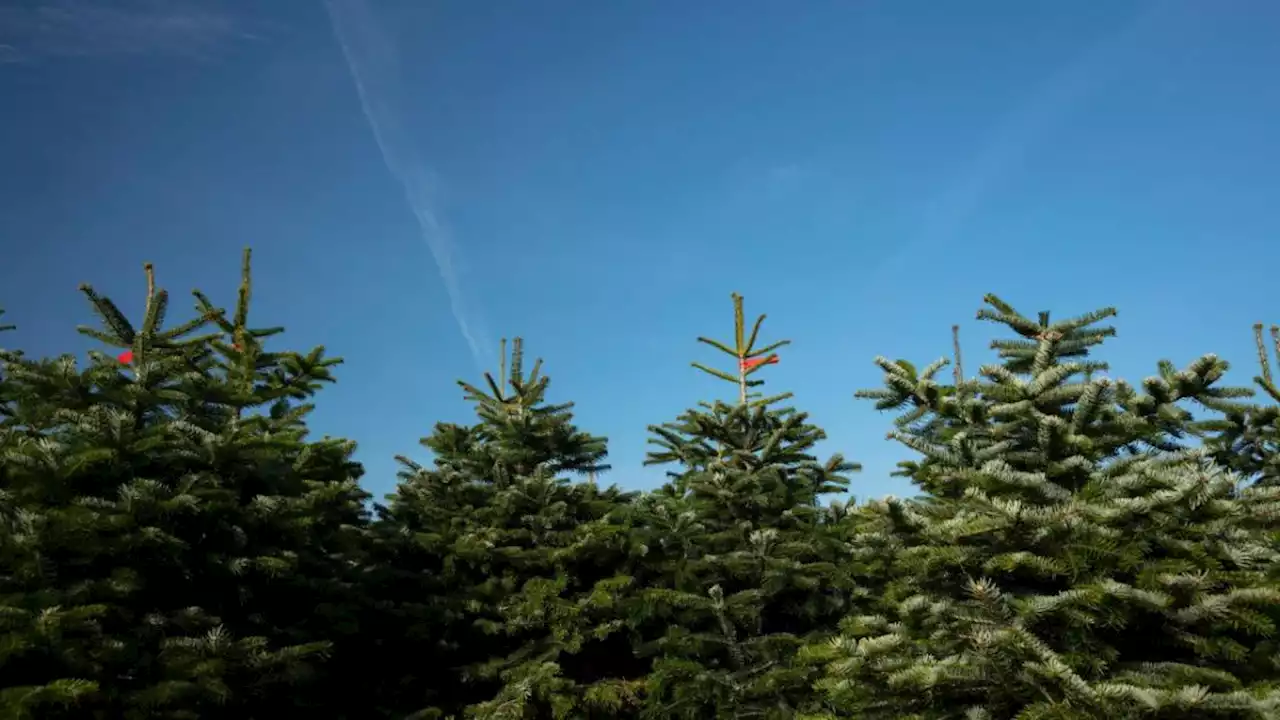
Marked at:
<point>174,545</point>
<point>743,568</point>
<point>1074,555</point>
<point>1247,439</point>
<point>510,567</point>
<point>164,542</point>
<point>310,508</point>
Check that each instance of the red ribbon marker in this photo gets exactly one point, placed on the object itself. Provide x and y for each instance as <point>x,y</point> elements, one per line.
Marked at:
<point>125,357</point>
<point>745,365</point>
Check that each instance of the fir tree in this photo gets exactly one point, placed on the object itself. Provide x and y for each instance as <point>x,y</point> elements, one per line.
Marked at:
<point>1074,555</point>
<point>310,506</point>
<point>1247,439</point>
<point>164,550</point>
<point>511,565</point>
<point>747,570</point>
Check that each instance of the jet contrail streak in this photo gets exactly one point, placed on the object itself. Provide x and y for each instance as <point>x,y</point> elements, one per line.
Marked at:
<point>371,60</point>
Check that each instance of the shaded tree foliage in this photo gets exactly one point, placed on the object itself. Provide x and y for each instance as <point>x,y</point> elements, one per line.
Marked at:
<point>175,544</point>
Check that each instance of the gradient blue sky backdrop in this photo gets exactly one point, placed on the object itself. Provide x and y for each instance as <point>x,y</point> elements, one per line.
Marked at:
<point>421,178</point>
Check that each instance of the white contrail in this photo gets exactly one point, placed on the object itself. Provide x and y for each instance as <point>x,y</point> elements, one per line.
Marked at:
<point>371,60</point>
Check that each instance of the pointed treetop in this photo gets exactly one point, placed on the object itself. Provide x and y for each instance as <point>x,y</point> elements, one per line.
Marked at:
<point>137,343</point>
<point>513,390</point>
<point>958,370</point>
<point>245,349</point>
<point>750,359</point>
<point>245,341</point>
<point>1043,342</point>
<point>261,377</point>
<point>519,433</point>
<point>1264,380</point>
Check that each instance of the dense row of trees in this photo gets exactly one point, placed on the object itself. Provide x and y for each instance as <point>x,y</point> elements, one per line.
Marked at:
<point>173,543</point>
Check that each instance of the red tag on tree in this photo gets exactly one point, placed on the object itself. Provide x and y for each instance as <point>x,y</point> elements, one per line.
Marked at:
<point>125,357</point>
<point>750,363</point>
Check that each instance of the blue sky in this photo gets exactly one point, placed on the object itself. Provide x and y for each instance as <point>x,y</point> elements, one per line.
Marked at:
<point>419,179</point>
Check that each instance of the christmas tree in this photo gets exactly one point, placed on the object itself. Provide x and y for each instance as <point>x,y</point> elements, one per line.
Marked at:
<point>745,569</point>
<point>165,544</point>
<point>515,564</point>
<point>174,544</point>
<point>1247,438</point>
<point>1075,555</point>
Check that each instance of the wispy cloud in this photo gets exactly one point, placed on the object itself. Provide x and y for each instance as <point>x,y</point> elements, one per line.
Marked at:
<point>32,30</point>
<point>371,58</point>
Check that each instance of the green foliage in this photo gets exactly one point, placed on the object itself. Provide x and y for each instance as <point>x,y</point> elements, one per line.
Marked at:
<point>749,359</point>
<point>1247,439</point>
<point>164,558</point>
<point>509,569</point>
<point>174,544</point>
<point>742,568</point>
<point>1073,556</point>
